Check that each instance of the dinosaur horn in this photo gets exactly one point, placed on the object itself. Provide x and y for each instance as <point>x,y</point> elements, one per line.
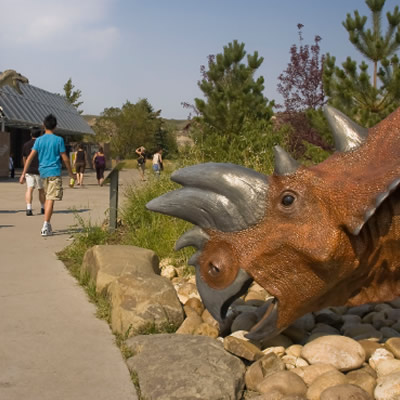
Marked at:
<point>225,197</point>
<point>195,237</point>
<point>347,134</point>
<point>285,164</point>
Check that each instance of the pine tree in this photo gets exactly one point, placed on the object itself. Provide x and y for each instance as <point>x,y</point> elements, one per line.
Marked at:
<point>232,94</point>
<point>350,89</point>
<point>72,95</point>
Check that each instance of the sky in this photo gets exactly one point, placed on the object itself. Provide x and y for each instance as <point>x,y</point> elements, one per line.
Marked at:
<point>120,50</point>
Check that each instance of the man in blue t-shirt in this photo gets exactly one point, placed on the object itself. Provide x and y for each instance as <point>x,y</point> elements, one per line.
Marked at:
<point>49,149</point>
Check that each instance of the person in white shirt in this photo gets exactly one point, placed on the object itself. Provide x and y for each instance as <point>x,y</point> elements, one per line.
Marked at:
<point>157,162</point>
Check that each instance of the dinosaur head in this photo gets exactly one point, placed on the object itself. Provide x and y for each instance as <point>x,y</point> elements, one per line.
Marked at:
<point>293,232</point>
<point>12,78</point>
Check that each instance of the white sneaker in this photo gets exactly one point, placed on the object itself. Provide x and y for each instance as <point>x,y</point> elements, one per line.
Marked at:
<point>46,230</point>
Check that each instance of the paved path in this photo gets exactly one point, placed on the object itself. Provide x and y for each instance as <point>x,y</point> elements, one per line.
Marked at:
<point>52,347</point>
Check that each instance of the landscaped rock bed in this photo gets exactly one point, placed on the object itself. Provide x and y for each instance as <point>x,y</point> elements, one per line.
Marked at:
<point>336,353</point>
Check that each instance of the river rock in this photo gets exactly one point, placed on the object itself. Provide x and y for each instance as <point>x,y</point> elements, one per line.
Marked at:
<point>294,350</point>
<point>323,382</point>
<point>378,356</point>
<point>388,332</point>
<point>296,334</point>
<point>244,321</point>
<point>306,322</point>
<point>242,348</point>
<point>327,316</point>
<point>362,331</point>
<point>140,300</point>
<point>387,367</point>
<point>345,391</point>
<point>106,263</point>
<point>186,290</point>
<point>362,379</point>
<point>169,272</point>
<point>388,387</point>
<point>196,305</point>
<point>206,330</point>
<point>278,350</point>
<point>209,319</point>
<point>265,366</point>
<point>190,324</point>
<point>369,347</point>
<point>167,364</point>
<point>325,328</point>
<point>278,340</point>
<point>342,352</point>
<point>311,372</point>
<point>284,382</point>
<point>393,345</point>
<point>361,310</point>
<point>294,362</point>
<point>395,303</point>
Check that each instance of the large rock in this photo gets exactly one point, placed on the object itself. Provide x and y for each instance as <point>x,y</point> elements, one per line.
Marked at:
<point>323,382</point>
<point>140,300</point>
<point>312,372</point>
<point>185,367</point>
<point>104,264</point>
<point>362,379</point>
<point>342,352</point>
<point>393,345</point>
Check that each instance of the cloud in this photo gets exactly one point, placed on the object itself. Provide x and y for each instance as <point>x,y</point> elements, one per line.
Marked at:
<point>74,24</point>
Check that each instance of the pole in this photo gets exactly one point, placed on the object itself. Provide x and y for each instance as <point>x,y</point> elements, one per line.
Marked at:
<point>113,200</point>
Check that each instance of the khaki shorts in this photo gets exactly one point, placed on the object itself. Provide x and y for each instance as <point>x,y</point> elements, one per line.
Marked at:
<point>53,188</point>
<point>34,180</point>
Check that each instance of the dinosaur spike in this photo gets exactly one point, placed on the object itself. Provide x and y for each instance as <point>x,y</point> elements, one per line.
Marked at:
<point>195,237</point>
<point>347,134</point>
<point>285,164</point>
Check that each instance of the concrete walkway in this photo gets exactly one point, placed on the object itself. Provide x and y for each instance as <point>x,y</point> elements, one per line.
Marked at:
<point>51,344</point>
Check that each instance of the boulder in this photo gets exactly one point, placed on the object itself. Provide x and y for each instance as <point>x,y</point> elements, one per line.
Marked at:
<point>105,263</point>
<point>185,367</point>
<point>340,351</point>
<point>140,300</point>
<point>362,379</point>
<point>311,372</point>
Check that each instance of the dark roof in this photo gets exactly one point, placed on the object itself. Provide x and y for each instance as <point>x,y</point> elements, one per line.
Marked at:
<point>30,108</point>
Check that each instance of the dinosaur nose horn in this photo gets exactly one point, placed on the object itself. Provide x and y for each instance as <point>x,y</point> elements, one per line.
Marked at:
<point>284,163</point>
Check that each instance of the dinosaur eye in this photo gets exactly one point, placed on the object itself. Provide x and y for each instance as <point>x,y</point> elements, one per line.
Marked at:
<point>213,270</point>
<point>287,200</point>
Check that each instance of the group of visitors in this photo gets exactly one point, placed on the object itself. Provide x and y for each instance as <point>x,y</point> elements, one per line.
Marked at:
<point>42,157</point>
<point>158,165</point>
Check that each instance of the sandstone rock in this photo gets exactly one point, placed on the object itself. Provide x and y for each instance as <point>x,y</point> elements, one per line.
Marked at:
<point>311,372</point>
<point>279,340</point>
<point>345,391</point>
<point>388,387</point>
<point>190,324</point>
<point>244,321</point>
<point>379,355</point>
<point>277,395</point>
<point>104,264</point>
<point>196,305</point>
<point>265,366</point>
<point>393,345</point>
<point>342,352</point>
<point>278,350</point>
<point>285,382</point>
<point>206,330</point>
<point>323,382</point>
<point>294,362</point>
<point>387,367</point>
<point>209,319</point>
<point>186,290</point>
<point>169,272</point>
<point>165,364</point>
<point>362,379</point>
<point>294,350</point>
<point>137,301</point>
<point>369,347</point>
<point>241,348</point>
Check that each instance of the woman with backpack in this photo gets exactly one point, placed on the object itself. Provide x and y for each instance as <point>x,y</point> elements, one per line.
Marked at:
<point>99,164</point>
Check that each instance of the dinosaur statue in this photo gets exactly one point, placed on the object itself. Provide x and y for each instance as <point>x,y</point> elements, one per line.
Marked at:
<point>12,78</point>
<point>313,237</point>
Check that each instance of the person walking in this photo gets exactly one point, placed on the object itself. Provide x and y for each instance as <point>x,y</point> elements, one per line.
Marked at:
<point>80,164</point>
<point>50,149</point>
<point>33,179</point>
<point>141,152</point>
<point>157,162</point>
<point>99,164</point>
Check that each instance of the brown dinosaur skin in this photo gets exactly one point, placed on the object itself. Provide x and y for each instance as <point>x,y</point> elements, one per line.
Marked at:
<point>308,254</point>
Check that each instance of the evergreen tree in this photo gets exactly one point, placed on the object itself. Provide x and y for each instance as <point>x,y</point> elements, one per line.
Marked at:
<point>232,94</point>
<point>350,89</point>
<point>72,95</point>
